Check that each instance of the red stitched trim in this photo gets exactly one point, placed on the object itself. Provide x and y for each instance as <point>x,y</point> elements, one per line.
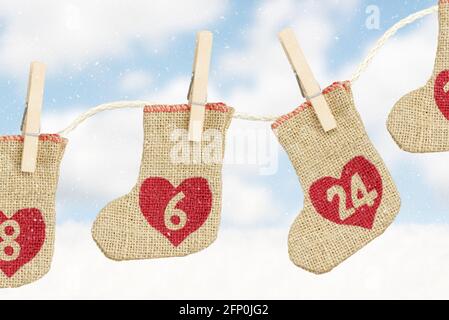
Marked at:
<point>43,137</point>
<point>220,107</point>
<point>336,85</point>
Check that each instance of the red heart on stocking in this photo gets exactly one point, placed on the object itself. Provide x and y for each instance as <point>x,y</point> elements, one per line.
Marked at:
<point>440,94</point>
<point>21,238</point>
<point>351,200</point>
<point>176,212</point>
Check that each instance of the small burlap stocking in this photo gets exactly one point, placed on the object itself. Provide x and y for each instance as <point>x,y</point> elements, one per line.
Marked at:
<point>27,210</point>
<point>174,209</point>
<point>349,196</point>
<point>419,122</point>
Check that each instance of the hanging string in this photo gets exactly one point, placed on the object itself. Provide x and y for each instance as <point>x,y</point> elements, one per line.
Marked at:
<point>141,104</point>
<point>249,117</point>
<point>387,35</point>
<point>100,108</point>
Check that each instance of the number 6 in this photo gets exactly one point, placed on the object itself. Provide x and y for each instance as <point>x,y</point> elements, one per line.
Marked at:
<point>175,219</point>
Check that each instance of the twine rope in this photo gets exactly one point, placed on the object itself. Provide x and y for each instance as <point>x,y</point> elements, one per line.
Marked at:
<point>251,117</point>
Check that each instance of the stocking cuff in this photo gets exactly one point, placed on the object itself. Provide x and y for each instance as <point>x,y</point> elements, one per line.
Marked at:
<point>308,105</point>
<point>220,107</point>
<point>56,138</point>
<point>44,180</point>
<point>161,120</point>
<point>301,134</point>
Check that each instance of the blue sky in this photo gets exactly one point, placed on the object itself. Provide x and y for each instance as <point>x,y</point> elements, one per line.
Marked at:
<point>76,83</point>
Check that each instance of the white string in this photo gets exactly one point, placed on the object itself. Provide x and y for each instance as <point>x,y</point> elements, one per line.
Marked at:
<point>100,108</point>
<point>140,104</point>
<point>387,35</point>
<point>245,116</point>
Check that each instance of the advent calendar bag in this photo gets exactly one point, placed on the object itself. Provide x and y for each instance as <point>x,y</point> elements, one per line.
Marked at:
<point>419,121</point>
<point>27,209</point>
<point>174,209</point>
<point>349,195</point>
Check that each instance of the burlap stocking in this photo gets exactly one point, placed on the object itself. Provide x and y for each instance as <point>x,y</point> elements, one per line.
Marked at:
<point>419,122</point>
<point>174,209</point>
<point>349,196</point>
<point>27,210</point>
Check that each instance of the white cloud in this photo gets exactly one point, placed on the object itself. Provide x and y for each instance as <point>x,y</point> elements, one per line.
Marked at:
<point>435,170</point>
<point>246,203</point>
<point>273,88</point>
<point>103,154</point>
<point>408,262</point>
<point>135,81</point>
<point>71,33</point>
<point>390,75</point>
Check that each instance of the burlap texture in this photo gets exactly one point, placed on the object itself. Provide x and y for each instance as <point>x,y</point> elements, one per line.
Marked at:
<point>19,190</point>
<point>121,230</point>
<point>415,122</point>
<point>315,243</point>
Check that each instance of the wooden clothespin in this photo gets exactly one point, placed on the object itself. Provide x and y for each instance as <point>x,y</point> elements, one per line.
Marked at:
<point>197,95</point>
<point>31,121</point>
<point>310,89</point>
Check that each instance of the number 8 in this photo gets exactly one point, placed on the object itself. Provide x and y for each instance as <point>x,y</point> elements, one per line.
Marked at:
<point>8,240</point>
